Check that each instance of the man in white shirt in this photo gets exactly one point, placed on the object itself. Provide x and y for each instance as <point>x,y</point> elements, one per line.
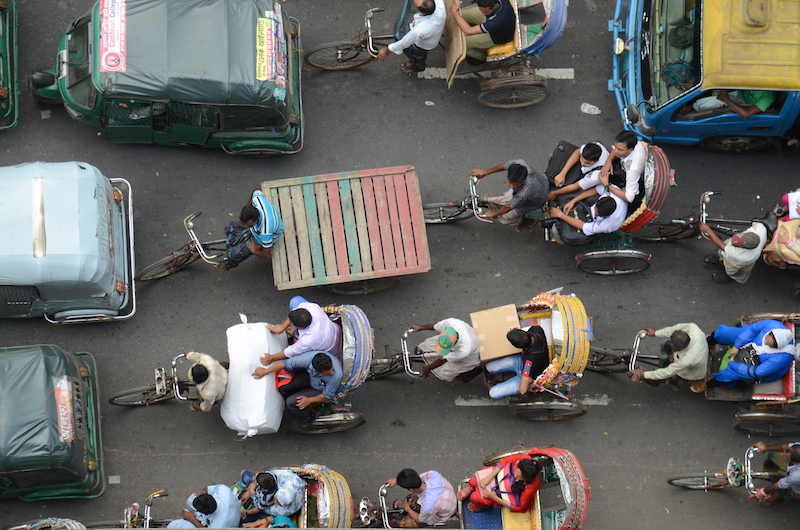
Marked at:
<point>737,254</point>
<point>592,157</point>
<point>453,354</point>
<point>633,157</point>
<point>608,213</point>
<point>423,35</point>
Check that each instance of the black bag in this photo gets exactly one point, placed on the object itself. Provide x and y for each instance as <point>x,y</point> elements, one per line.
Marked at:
<point>747,355</point>
<point>557,161</point>
<point>568,233</point>
<point>617,176</point>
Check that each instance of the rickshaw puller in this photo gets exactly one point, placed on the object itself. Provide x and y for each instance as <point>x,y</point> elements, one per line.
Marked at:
<point>782,463</point>
<point>257,229</point>
<point>684,357</point>
<point>453,354</point>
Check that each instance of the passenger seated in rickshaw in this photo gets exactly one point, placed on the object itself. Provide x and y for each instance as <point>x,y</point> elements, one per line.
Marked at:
<point>516,476</point>
<point>432,500</point>
<point>210,378</point>
<point>773,346</point>
<point>527,193</point>
<point>485,23</point>
<point>591,157</point>
<point>270,494</point>
<point>606,216</point>
<point>632,157</point>
<point>214,506</point>
<point>313,330</point>
<point>528,364</point>
<point>453,354</point>
<point>782,464</point>
<point>784,249</point>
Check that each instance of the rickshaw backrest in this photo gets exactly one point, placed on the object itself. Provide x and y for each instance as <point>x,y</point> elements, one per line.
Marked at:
<point>656,180</point>
<point>455,45</point>
<point>358,344</point>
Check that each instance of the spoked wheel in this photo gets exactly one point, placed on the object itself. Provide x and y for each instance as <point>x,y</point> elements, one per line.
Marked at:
<point>735,144</point>
<point>608,361</point>
<point>337,56</point>
<point>758,317</point>
<point>382,367</point>
<point>372,285</point>
<point>544,411</point>
<point>667,231</point>
<point>168,265</point>
<point>513,92</point>
<point>336,422</point>
<point>700,481</point>
<point>445,212</point>
<point>767,423</point>
<point>137,397</point>
<point>613,262</point>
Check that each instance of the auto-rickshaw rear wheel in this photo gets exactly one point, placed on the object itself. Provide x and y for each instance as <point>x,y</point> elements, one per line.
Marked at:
<point>735,144</point>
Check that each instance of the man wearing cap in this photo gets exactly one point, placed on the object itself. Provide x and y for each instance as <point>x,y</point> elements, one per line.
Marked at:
<point>453,354</point>
<point>738,254</point>
<point>528,364</point>
<point>313,330</point>
<point>684,357</point>
<point>274,493</point>
<point>214,506</point>
<point>209,377</point>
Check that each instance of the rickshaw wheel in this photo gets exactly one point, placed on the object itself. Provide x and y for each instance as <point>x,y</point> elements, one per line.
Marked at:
<point>608,361</point>
<point>700,481</point>
<point>513,92</point>
<point>767,423</point>
<point>735,144</point>
<point>613,262</point>
<point>373,285</point>
<point>670,231</point>
<point>443,212</point>
<point>105,524</point>
<point>548,411</point>
<point>337,422</point>
<point>168,265</point>
<point>758,317</point>
<point>136,397</point>
<point>337,56</point>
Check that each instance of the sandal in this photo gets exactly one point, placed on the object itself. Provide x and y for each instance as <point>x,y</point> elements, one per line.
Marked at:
<point>411,68</point>
<point>720,277</point>
<point>474,508</point>
<point>699,387</point>
<point>465,492</point>
<point>712,259</point>
<point>772,263</point>
<point>527,226</point>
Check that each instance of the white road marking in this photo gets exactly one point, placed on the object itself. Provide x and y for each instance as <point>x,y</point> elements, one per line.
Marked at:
<point>472,401</point>
<point>550,73</point>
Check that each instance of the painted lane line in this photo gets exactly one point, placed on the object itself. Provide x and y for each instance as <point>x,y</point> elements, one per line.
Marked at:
<point>601,400</point>
<point>549,73</point>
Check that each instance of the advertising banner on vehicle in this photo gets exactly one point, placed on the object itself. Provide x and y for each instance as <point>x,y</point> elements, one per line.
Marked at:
<point>112,36</point>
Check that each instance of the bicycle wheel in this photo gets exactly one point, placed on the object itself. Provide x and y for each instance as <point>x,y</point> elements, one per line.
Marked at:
<point>105,524</point>
<point>548,411</point>
<point>701,481</point>
<point>445,212</point>
<point>667,231</point>
<point>338,55</point>
<point>613,262</point>
<point>169,264</point>
<point>767,423</point>
<point>608,361</point>
<point>513,92</point>
<point>142,396</point>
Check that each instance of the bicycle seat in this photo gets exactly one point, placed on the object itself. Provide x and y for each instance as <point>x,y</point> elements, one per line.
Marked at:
<point>770,221</point>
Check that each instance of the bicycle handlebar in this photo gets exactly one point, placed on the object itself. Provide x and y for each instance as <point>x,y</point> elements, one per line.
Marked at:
<point>189,226</point>
<point>368,28</point>
<point>705,198</point>
<point>406,355</point>
<point>175,386</point>
<point>473,195</point>
<point>639,336</point>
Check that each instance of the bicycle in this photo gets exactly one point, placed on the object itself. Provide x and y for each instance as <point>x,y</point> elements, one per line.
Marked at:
<point>736,474</point>
<point>358,51</point>
<point>452,211</point>
<point>186,255</point>
<point>609,360</point>
<point>166,387</point>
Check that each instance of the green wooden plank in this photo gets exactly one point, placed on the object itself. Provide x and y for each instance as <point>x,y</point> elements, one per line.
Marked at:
<point>314,241</point>
<point>350,230</point>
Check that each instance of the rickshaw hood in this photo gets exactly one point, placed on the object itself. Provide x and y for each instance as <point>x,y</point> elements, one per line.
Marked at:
<point>202,51</point>
<point>751,45</point>
<point>54,225</point>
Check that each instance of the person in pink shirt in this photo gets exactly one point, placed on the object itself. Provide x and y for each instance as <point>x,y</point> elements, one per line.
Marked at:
<point>314,331</point>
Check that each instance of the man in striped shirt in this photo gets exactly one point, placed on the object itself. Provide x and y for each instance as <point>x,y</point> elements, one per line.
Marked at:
<point>432,500</point>
<point>257,229</point>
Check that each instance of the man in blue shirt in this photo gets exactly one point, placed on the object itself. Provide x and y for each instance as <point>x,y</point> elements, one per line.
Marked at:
<point>214,506</point>
<point>257,229</point>
<point>485,23</point>
<point>316,379</point>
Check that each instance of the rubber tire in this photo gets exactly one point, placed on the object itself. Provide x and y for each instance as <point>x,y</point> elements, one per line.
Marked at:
<point>696,481</point>
<point>146,395</point>
<point>758,317</point>
<point>667,231</point>
<point>167,265</point>
<point>435,213</point>
<point>524,93</point>
<point>345,425</point>
<point>354,58</point>
<point>727,145</point>
<point>369,286</point>
<point>548,411</point>
<point>609,361</point>
<point>105,524</point>
<point>764,423</point>
<point>605,262</point>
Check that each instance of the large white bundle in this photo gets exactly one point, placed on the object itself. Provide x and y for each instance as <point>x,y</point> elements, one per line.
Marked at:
<point>240,409</point>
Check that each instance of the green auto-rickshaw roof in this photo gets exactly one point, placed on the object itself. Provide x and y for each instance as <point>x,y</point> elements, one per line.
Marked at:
<point>201,51</point>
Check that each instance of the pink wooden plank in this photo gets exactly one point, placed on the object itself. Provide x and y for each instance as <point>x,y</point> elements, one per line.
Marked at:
<point>373,229</point>
<point>394,220</point>
<point>384,223</point>
<point>409,249</point>
<point>417,219</point>
<point>337,223</point>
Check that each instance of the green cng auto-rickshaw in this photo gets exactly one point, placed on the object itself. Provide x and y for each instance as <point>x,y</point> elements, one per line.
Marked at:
<point>209,73</point>
<point>50,443</point>
<point>9,110</point>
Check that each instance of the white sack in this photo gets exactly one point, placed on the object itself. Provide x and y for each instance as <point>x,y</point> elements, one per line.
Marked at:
<point>240,409</point>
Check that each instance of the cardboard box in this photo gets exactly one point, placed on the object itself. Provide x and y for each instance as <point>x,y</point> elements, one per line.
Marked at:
<point>491,327</point>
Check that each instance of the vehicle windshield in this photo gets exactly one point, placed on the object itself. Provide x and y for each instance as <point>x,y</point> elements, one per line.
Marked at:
<point>79,64</point>
<point>671,48</point>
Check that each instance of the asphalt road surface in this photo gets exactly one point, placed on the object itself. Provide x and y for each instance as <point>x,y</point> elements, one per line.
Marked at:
<point>633,437</point>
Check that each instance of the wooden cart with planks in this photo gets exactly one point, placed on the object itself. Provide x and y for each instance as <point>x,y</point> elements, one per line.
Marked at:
<point>360,228</point>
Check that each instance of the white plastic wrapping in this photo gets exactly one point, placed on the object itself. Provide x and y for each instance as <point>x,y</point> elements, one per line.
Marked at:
<point>251,406</point>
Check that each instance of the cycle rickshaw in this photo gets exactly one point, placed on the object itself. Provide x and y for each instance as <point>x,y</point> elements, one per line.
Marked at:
<point>513,82</point>
<point>768,414</point>
<point>358,344</point>
<point>328,504</point>
<point>568,331</point>
<point>560,504</point>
